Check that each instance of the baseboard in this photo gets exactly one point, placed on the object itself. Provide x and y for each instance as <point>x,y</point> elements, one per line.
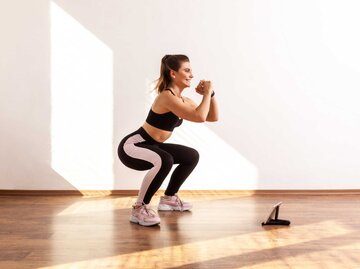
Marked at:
<point>184,192</point>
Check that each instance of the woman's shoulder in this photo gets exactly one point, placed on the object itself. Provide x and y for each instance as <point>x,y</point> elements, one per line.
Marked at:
<point>167,93</point>
<point>165,96</point>
<point>159,104</point>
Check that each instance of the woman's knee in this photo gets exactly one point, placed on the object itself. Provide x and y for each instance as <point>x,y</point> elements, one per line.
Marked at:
<point>193,156</point>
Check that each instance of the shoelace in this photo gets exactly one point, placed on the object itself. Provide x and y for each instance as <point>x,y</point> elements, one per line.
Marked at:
<point>178,200</point>
<point>149,211</point>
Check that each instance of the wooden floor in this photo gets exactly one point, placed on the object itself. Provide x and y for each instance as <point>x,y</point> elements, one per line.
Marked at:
<point>222,231</point>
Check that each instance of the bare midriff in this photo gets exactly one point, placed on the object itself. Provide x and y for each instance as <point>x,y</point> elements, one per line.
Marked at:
<point>156,133</point>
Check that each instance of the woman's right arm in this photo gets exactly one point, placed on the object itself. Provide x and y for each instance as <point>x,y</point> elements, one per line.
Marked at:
<point>188,110</point>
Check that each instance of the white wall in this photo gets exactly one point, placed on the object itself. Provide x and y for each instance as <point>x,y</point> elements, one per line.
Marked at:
<point>75,78</point>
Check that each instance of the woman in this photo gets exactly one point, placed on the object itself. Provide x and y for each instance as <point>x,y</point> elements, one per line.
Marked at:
<point>145,149</point>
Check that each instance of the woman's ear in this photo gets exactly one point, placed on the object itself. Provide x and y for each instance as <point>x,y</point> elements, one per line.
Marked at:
<point>172,74</point>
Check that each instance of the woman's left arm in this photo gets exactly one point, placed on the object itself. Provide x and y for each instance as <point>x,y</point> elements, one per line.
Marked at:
<point>213,114</point>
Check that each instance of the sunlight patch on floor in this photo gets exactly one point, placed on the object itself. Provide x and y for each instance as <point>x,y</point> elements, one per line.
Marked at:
<point>241,245</point>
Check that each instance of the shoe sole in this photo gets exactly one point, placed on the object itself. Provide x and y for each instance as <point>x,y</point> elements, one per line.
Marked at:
<point>162,207</point>
<point>147,224</point>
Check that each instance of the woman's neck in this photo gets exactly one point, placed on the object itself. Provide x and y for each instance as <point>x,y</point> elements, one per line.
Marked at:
<point>176,89</point>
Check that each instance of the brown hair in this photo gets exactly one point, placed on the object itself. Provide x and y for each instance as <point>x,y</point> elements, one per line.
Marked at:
<point>169,62</point>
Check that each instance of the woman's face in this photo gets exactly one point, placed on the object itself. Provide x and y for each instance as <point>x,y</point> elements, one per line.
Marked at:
<point>183,76</point>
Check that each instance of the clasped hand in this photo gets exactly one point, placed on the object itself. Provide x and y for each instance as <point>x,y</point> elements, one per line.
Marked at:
<point>204,87</point>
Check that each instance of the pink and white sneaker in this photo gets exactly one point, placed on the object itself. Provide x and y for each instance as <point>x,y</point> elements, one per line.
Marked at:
<point>173,203</point>
<point>144,215</point>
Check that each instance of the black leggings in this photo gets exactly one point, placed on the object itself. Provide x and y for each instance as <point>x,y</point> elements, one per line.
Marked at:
<point>140,151</point>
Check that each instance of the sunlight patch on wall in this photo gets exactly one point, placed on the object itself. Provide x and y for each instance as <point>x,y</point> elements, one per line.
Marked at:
<point>221,167</point>
<point>81,104</point>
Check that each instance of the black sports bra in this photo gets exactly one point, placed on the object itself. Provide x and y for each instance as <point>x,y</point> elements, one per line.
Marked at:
<point>165,121</point>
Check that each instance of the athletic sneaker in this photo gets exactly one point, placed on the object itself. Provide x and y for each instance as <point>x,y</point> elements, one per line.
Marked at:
<point>144,215</point>
<point>171,203</point>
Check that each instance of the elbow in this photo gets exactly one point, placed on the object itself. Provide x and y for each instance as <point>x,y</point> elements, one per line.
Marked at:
<point>198,119</point>
<point>202,119</point>
<point>213,119</point>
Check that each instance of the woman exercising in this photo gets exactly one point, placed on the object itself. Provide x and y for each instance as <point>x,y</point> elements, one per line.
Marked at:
<point>145,149</point>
